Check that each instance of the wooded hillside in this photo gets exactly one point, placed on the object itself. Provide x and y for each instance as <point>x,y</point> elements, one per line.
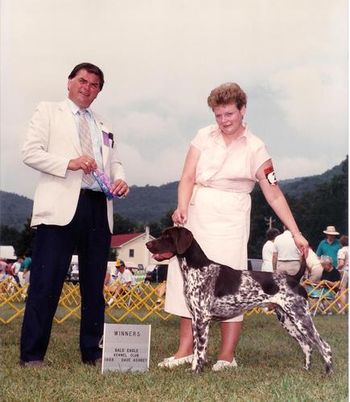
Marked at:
<point>316,201</point>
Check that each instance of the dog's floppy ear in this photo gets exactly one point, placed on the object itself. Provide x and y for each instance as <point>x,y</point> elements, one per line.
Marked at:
<point>182,237</point>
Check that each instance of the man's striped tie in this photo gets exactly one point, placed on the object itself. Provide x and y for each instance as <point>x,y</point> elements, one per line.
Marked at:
<point>85,142</point>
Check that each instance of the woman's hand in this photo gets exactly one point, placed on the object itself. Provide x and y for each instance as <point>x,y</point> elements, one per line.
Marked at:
<point>179,216</point>
<point>301,243</point>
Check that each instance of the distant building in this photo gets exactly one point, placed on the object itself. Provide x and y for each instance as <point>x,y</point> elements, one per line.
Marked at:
<point>131,248</point>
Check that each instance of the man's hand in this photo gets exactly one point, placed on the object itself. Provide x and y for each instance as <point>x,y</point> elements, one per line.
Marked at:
<point>84,162</point>
<point>120,188</point>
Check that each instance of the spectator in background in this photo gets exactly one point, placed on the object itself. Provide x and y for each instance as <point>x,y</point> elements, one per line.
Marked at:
<point>343,266</point>
<point>15,268</point>
<point>330,245</point>
<point>330,279</point>
<point>25,268</point>
<point>124,278</point>
<point>21,279</point>
<point>286,256</point>
<point>3,265</point>
<point>124,275</point>
<point>330,275</point>
<point>267,250</point>
<point>8,284</point>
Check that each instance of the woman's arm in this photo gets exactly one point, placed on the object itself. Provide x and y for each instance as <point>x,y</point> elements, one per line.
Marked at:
<point>186,185</point>
<point>278,203</point>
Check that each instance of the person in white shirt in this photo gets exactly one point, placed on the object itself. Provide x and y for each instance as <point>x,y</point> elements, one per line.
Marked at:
<point>267,250</point>
<point>286,256</point>
<point>343,267</point>
<point>15,269</point>
<point>124,278</point>
<point>124,275</point>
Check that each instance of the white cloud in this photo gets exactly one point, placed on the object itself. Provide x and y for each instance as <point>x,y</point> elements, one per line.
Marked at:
<point>294,166</point>
<point>144,126</point>
<point>161,58</point>
<point>314,100</point>
<point>162,168</point>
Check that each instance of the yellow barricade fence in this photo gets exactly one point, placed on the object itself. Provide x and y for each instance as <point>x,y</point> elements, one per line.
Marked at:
<point>326,297</point>
<point>143,301</point>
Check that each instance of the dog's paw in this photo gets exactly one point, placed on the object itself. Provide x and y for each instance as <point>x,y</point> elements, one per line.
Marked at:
<point>329,369</point>
<point>197,370</point>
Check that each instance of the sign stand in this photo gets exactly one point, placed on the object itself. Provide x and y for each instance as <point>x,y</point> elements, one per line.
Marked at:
<point>126,347</point>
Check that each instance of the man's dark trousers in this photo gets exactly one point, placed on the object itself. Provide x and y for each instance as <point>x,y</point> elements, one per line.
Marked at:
<point>89,234</point>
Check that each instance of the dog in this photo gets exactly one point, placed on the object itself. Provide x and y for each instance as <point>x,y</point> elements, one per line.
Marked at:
<point>216,291</point>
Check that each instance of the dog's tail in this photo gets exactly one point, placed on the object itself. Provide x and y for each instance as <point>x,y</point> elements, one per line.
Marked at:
<point>302,269</point>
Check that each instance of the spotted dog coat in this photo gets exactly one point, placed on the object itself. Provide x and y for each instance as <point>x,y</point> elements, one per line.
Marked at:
<point>215,291</point>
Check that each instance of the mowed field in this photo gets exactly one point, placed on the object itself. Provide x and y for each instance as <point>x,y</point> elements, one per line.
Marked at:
<point>270,368</point>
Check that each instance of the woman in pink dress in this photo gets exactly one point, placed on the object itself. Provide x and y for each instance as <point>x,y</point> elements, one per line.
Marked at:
<point>222,165</point>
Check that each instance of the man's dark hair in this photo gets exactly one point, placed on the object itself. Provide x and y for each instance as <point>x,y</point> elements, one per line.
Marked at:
<point>272,233</point>
<point>90,68</point>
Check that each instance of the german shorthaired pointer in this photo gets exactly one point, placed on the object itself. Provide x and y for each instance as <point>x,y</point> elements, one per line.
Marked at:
<point>215,291</point>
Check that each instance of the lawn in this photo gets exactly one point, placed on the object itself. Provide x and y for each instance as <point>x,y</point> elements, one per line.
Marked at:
<point>270,368</point>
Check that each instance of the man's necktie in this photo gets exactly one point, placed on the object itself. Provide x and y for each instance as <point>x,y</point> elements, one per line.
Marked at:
<point>85,141</point>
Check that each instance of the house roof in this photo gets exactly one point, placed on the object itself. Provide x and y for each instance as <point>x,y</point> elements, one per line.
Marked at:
<point>121,239</point>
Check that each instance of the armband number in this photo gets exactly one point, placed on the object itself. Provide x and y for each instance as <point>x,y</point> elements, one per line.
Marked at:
<point>270,175</point>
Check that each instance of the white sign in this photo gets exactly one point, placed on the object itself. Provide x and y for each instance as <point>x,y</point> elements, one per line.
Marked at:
<point>126,347</point>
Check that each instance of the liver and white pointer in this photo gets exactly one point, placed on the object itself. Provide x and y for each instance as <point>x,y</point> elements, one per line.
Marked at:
<point>215,291</point>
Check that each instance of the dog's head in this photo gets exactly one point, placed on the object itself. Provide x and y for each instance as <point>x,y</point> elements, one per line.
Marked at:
<point>173,241</point>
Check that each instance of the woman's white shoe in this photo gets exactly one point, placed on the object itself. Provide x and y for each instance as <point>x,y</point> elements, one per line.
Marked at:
<point>224,364</point>
<point>171,362</point>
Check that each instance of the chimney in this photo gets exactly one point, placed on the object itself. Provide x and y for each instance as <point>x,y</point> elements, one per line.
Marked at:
<point>147,258</point>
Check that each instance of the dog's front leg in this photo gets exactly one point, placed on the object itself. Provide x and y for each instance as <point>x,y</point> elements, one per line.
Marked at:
<point>195,347</point>
<point>200,343</point>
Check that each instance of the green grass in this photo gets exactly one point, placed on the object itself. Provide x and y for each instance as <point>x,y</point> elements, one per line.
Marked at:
<point>270,368</point>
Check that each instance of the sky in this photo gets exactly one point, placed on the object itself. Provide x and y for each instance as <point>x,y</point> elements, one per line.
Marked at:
<point>161,59</point>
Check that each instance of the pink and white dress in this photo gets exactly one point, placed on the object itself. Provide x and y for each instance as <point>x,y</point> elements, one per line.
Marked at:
<point>219,211</point>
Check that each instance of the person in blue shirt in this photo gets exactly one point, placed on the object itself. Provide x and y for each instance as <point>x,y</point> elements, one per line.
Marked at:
<point>330,245</point>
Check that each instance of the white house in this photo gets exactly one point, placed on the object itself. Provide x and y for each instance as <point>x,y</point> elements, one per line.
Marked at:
<point>131,248</point>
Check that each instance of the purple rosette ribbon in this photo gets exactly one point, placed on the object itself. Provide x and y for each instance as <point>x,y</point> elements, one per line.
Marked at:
<point>105,183</point>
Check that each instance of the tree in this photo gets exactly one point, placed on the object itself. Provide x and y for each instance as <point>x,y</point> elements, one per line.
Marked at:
<point>123,225</point>
<point>167,221</point>
<point>258,225</point>
<point>327,205</point>
<point>157,228</point>
<point>25,242</point>
<point>8,236</point>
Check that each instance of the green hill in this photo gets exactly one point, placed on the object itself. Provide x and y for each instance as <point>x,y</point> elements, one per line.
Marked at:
<point>149,204</point>
<point>14,210</point>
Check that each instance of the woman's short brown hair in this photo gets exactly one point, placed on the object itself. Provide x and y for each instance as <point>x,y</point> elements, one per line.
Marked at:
<point>227,93</point>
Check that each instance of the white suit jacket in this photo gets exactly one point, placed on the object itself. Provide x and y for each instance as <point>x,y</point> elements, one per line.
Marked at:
<point>51,141</point>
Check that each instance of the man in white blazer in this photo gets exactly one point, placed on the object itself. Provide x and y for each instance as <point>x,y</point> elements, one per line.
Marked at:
<point>71,213</point>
